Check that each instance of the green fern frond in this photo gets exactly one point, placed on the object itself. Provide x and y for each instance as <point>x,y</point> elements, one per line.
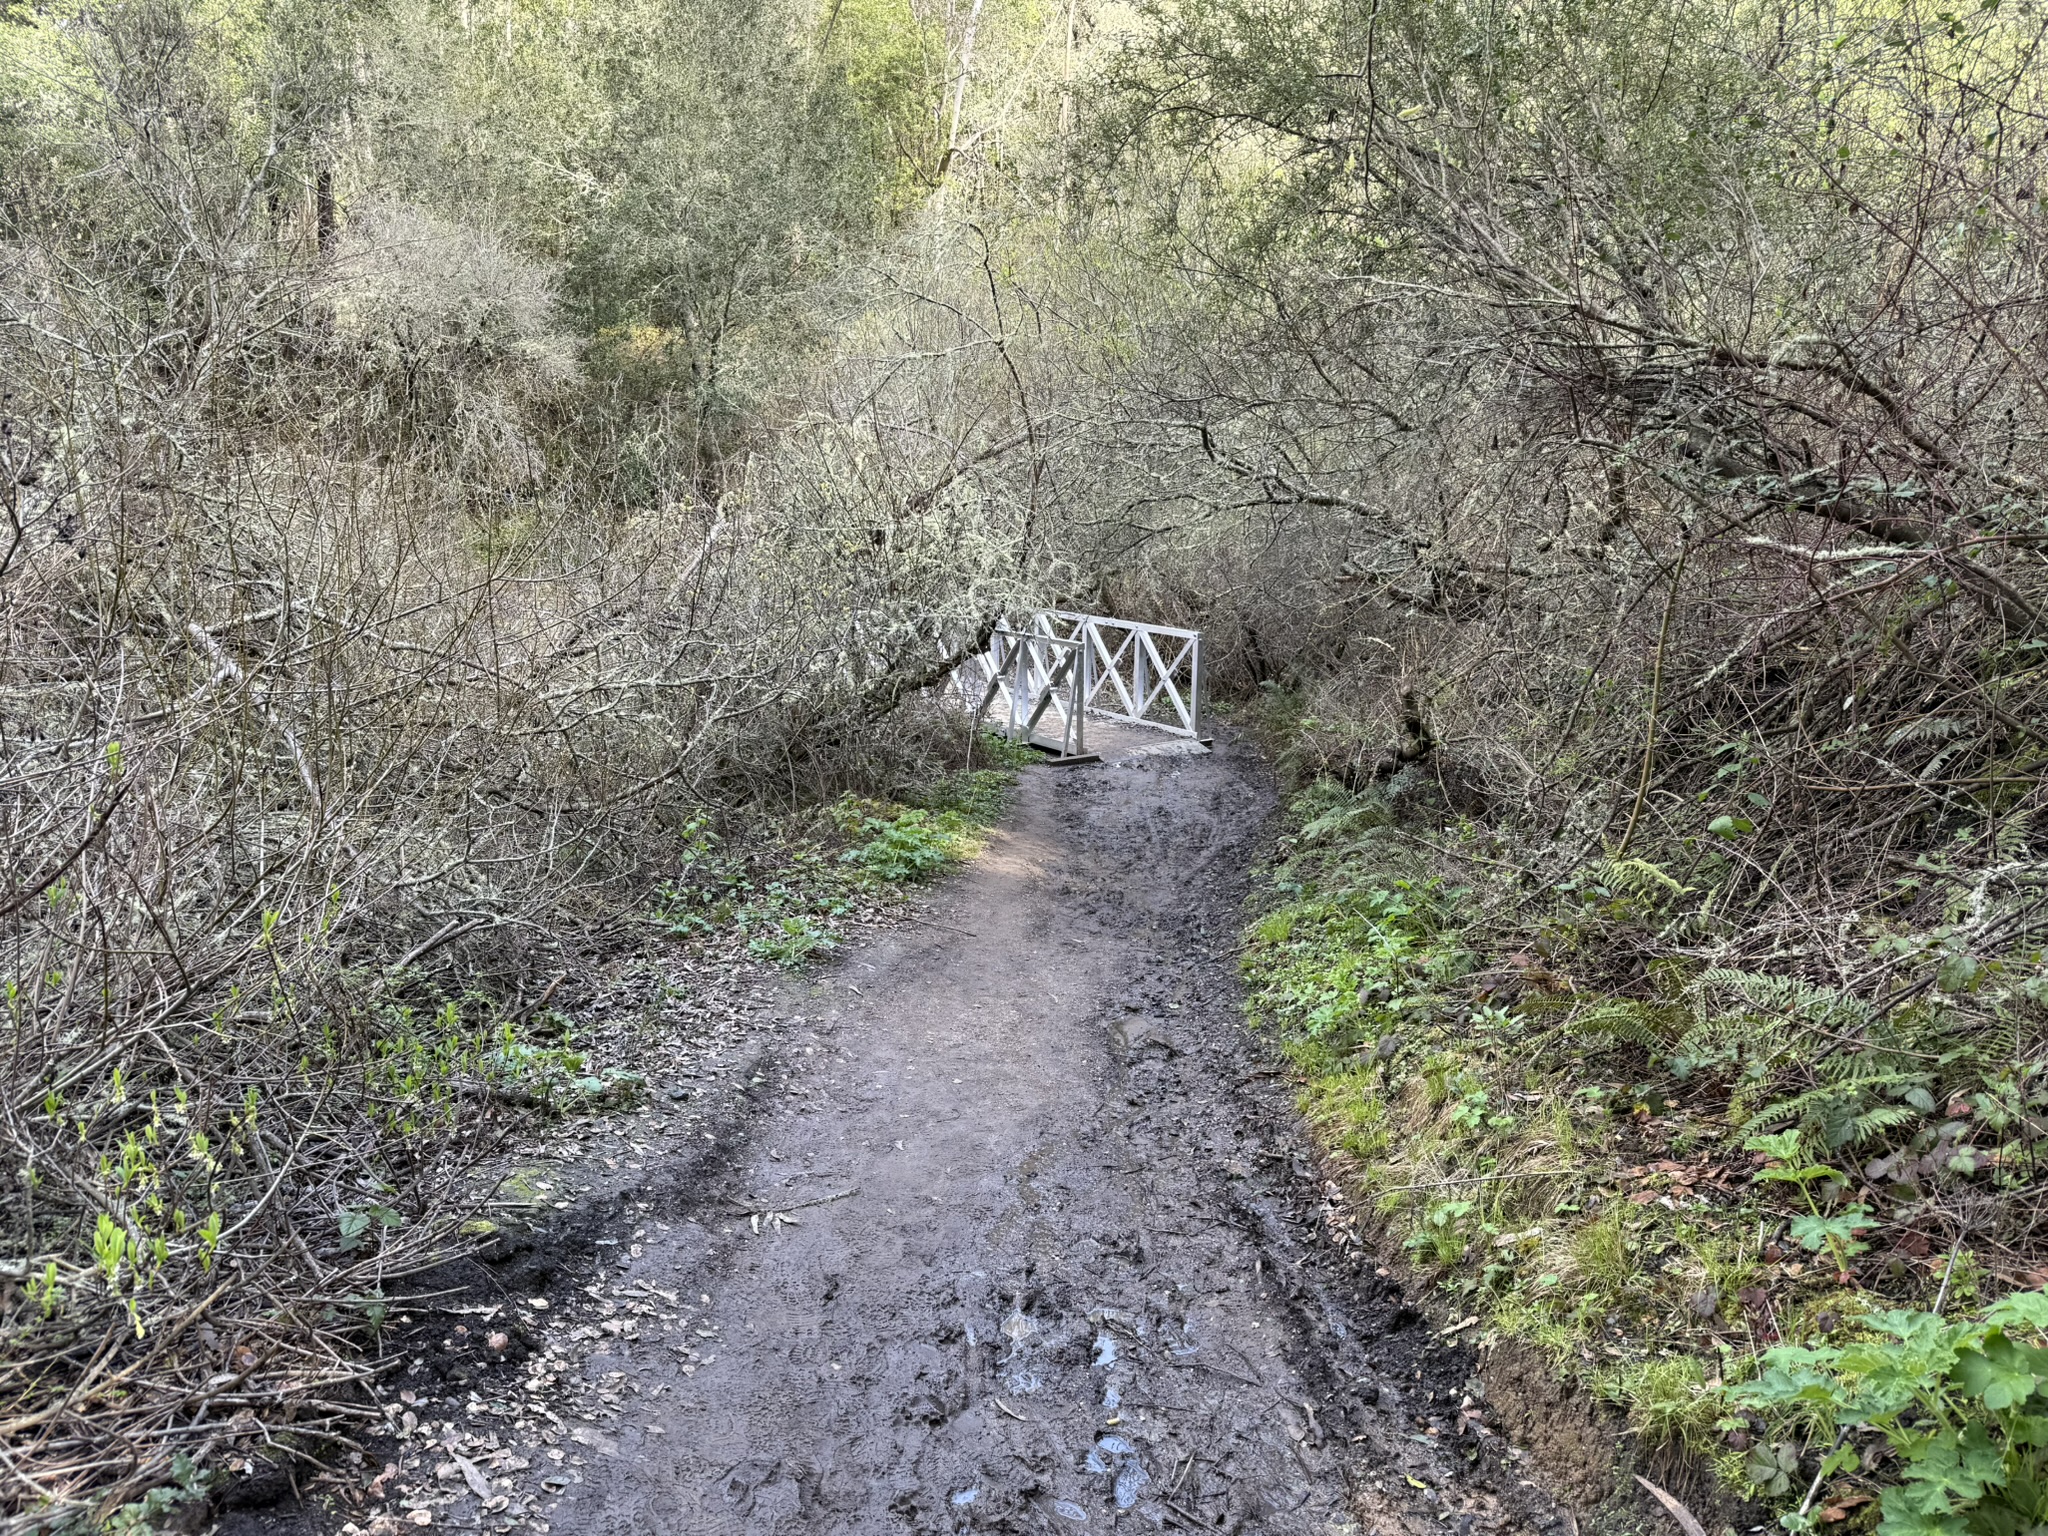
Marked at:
<point>1347,821</point>
<point>1836,1111</point>
<point>1647,1025</point>
<point>1873,1069</point>
<point>2010,840</point>
<point>1638,877</point>
<point>1827,1008</point>
<point>1875,1122</point>
<point>1756,1044</point>
<point>1927,728</point>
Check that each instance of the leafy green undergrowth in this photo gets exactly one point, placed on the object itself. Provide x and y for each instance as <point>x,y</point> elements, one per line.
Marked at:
<point>787,891</point>
<point>1659,1169</point>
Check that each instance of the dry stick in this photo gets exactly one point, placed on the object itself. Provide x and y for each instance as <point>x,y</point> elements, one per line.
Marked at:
<point>801,1205</point>
<point>1687,1520</point>
<point>1813,1488</point>
<point>1941,1299</point>
<point>1481,1178</point>
<point>1656,693</point>
<point>912,917</point>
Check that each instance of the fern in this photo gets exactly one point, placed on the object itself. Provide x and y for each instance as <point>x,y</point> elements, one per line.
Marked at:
<point>1873,1123</point>
<point>1927,728</point>
<point>1732,1041</point>
<point>1647,1025</point>
<point>1638,878</point>
<point>1826,1008</point>
<point>2009,842</point>
<point>1346,821</point>
<point>1846,1112</point>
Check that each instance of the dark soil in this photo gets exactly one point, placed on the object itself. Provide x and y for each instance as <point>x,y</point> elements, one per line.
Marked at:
<point>1017,1231</point>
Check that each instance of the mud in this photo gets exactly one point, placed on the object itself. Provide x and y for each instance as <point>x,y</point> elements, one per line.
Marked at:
<point>1020,1233</point>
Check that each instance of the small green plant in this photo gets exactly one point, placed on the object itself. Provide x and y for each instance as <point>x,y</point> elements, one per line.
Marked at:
<point>1963,1407</point>
<point>1834,1230</point>
<point>792,942</point>
<point>209,1240</point>
<point>912,846</point>
<point>109,1248</point>
<point>1442,1231</point>
<point>358,1221</point>
<point>1669,1402</point>
<point>45,1292</point>
<point>549,1073</point>
<point>1601,1249</point>
<point>187,1485</point>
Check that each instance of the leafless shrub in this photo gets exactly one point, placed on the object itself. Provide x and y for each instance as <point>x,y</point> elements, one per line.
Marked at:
<point>325,701</point>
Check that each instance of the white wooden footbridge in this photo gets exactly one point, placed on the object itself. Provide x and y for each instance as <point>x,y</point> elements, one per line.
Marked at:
<point>1045,677</point>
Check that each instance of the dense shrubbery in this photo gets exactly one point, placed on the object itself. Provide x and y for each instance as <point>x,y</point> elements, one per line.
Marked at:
<point>396,562</point>
<point>785,887</point>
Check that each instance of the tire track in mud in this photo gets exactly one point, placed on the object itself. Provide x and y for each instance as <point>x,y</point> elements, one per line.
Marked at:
<point>1046,1262</point>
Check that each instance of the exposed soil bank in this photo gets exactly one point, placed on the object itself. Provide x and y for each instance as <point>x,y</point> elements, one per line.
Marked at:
<point>1022,1235</point>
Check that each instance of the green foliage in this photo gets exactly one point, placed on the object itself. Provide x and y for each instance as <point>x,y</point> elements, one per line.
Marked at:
<point>547,1072</point>
<point>894,64</point>
<point>362,1225</point>
<point>912,845</point>
<point>792,942</point>
<point>1963,1405</point>
<point>979,795</point>
<point>188,1485</point>
<point>1359,951</point>
<point>1669,1401</point>
<point>785,895</point>
<point>1441,1233</point>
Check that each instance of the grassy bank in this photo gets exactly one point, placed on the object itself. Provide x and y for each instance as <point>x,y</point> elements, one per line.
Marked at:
<point>1723,1199</point>
<point>785,890</point>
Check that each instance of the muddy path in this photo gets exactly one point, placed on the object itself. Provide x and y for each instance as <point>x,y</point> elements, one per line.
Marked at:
<point>1020,1234</point>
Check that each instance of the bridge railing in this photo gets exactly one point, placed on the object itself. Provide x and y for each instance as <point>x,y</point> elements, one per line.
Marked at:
<point>1068,666</point>
<point>1148,674</point>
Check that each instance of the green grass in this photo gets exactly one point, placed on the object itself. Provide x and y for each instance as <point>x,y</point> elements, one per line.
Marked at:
<point>787,889</point>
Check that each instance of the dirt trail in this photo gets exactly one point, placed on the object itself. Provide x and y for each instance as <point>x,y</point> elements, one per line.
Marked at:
<point>1010,1227</point>
<point>1044,1262</point>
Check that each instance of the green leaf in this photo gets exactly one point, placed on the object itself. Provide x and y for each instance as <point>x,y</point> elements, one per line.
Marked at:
<point>1730,826</point>
<point>1806,1175</point>
<point>1840,1228</point>
<point>1958,973</point>
<point>1780,1148</point>
<point>1770,1468</point>
<point>2027,1307</point>
<point>1960,1466</point>
<point>1901,1515</point>
<point>1791,1377</point>
<point>1998,1374</point>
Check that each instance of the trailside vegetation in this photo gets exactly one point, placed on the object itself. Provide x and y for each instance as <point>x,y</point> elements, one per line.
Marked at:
<point>473,476</point>
<point>410,538</point>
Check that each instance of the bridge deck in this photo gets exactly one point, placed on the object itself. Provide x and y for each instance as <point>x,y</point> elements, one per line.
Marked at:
<point>1118,740</point>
